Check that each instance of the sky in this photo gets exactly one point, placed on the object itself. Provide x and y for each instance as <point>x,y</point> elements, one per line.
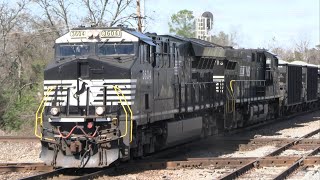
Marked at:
<point>256,22</point>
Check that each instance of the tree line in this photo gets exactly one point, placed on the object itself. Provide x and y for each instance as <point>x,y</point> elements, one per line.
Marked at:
<point>28,29</point>
<point>183,24</point>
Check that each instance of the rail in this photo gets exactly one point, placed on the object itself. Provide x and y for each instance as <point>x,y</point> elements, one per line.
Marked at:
<point>271,160</point>
<point>234,162</point>
<point>248,89</point>
<point>18,167</point>
<point>247,167</point>
<point>18,138</point>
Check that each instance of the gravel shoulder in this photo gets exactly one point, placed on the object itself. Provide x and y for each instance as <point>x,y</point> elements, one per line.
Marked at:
<point>15,175</point>
<point>310,173</point>
<point>19,152</point>
<point>180,174</point>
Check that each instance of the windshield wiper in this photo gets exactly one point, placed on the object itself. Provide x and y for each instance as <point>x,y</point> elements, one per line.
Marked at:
<point>115,49</point>
<point>105,42</point>
<point>72,47</point>
<point>120,60</point>
<point>114,45</point>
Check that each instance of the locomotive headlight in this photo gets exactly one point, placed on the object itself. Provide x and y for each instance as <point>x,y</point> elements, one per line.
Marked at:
<point>99,111</point>
<point>54,111</point>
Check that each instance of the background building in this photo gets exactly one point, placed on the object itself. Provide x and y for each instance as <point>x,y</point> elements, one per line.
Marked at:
<point>204,25</point>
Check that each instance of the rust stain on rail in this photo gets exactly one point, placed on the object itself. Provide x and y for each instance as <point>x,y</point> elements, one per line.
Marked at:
<point>18,167</point>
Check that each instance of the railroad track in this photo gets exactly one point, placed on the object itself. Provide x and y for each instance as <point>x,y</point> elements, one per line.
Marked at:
<point>68,173</point>
<point>241,141</point>
<point>238,166</point>
<point>18,167</point>
<point>292,167</point>
<point>234,167</point>
<point>18,138</point>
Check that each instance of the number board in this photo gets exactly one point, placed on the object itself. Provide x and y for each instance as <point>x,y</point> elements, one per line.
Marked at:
<point>78,34</point>
<point>111,33</point>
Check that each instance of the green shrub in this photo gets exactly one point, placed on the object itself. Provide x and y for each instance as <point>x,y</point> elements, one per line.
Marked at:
<point>20,110</point>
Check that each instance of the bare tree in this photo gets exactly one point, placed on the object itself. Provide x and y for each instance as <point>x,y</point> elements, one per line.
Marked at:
<point>284,54</point>
<point>10,19</point>
<point>302,50</point>
<point>13,50</point>
<point>56,13</point>
<point>108,12</point>
<point>314,55</point>
<point>225,39</point>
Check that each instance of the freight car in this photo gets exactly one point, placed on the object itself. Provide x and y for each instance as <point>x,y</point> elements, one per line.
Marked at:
<point>111,94</point>
<point>298,87</point>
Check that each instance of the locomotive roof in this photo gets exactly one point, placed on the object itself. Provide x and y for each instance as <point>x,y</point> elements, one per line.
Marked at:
<point>197,47</point>
<point>140,35</point>
<point>204,48</point>
<point>206,43</point>
<point>194,40</point>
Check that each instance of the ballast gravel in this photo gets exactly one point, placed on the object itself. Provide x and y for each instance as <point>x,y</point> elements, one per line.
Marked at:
<point>263,173</point>
<point>261,151</point>
<point>293,128</point>
<point>15,175</point>
<point>310,173</point>
<point>180,174</point>
<point>291,152</point>
<point>13,152</point>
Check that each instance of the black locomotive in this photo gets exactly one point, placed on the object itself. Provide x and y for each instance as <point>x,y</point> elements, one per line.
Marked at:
<point>114,93</point>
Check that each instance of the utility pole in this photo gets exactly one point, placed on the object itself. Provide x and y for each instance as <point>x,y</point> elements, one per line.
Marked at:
<point>139,16</point>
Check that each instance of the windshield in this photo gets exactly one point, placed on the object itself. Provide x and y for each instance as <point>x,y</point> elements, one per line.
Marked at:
<point>74,49</point>
<point>116,48</point>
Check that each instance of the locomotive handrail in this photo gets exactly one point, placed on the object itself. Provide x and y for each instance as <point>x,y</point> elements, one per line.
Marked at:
<point>231,91</point>
<point>41,110</point>
<point>199,83</point>
<point>215,94</point>
<point>117,90</point>
<point>233,104</point>
<point>231,87</point>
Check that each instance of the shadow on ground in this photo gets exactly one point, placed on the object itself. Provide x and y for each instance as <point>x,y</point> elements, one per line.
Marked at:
<point>219,146</point>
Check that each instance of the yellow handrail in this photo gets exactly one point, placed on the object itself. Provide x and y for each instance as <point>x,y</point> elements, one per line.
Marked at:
<point>117,90</point>
<point>125,111</point>
<point>231,92</point>
<point>41,110</point>
<point>231,87</point>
